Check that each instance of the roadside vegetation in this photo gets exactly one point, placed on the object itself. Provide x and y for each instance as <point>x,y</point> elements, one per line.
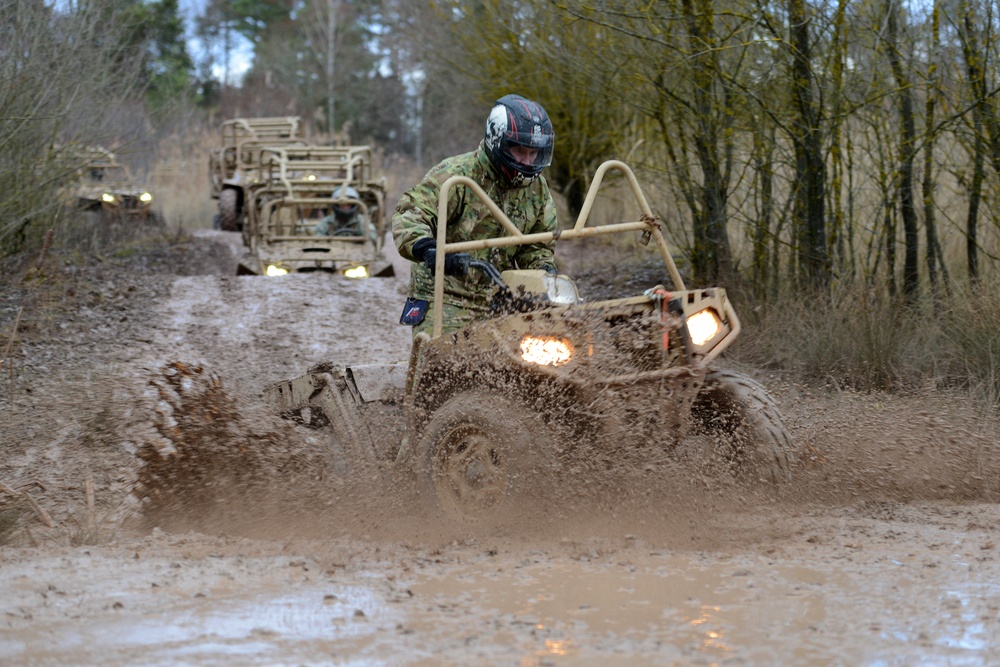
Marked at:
<point>837,167</point>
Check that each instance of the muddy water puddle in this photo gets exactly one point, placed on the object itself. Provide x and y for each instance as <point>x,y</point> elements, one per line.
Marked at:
<point>465,605</point>
<point>685,610</point>
<point>260,628</point>
<point>219,611</point>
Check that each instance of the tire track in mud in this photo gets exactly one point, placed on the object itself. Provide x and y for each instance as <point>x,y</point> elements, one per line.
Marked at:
<point>256,329</point>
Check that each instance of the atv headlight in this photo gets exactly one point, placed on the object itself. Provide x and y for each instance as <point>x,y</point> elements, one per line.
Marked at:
<point>546,351</point>
<point>145,197</point>
<point>108,198</point>
<point>561,290</point>
<point>356,272</point>
<point>273,270</point>
<point>703,326</point>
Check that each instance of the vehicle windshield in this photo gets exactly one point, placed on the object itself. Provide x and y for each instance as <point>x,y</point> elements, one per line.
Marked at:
<point>105,174</point>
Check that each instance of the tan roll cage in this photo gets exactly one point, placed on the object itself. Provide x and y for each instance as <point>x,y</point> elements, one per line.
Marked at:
<point>649,223</point>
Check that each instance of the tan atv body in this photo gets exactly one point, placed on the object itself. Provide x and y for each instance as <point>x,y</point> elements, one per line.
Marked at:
<point>107,187</point>
<point>492,411</point>
<point>234,168</point>
<point>298,187</point>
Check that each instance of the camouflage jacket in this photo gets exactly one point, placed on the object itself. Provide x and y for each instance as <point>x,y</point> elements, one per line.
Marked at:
<point>531,209</point>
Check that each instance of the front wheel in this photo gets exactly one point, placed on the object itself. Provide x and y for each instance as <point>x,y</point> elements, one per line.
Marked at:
<point>228,217</point>
<point>481,454</point>
<point>743,427</point>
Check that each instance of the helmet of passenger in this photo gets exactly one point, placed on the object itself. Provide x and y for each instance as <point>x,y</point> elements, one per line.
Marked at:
<point>519,139</point>
<point>345,210</point>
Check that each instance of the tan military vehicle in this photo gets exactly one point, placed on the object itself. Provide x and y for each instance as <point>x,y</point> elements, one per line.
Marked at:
<point>107,188</point>
<point>316,208</point>
<point>492,412</point>
<point>234,168</point>
<point>485,419</point>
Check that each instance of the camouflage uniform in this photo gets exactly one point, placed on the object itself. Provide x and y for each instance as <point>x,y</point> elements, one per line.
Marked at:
<point>531,209</point>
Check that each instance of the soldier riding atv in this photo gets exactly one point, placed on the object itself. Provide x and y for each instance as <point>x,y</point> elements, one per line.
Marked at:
<point>485,415</point>
<point>491,411</point>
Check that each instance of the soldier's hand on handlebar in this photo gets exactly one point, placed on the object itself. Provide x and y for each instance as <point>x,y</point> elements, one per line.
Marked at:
<point>455,264</point>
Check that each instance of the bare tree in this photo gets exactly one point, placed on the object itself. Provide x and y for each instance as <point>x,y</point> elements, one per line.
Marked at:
<point>907,150</point>
<point>67,74</point>
<point>810,164</point>
<point>975,67</point>
<point>933,247</point>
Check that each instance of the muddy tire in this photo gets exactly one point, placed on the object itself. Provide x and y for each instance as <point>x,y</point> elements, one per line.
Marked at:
<point>228,218</point>
<point>480,455</point>
<point>743,429</point>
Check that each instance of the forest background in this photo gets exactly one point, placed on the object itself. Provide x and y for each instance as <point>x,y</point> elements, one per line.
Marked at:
<point>835,165</point>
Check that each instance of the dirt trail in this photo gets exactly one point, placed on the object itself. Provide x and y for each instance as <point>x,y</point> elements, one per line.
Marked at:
<point>883,551</point>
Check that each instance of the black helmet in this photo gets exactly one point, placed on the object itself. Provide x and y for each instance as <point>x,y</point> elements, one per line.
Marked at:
<point>519,139</point>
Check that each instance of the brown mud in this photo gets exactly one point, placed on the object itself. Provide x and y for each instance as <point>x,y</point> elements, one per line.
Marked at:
<point>882,550</point>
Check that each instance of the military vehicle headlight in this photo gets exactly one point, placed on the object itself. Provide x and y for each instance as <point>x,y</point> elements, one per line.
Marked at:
<point>356,272</point>
<point>546,351</point>
<point>145,197</point>
<point>703,326</point>
<point>273,270</point>
<point>108,198</point>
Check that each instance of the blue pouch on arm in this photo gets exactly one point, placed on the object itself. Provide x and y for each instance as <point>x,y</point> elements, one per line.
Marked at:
<point>414,311</point>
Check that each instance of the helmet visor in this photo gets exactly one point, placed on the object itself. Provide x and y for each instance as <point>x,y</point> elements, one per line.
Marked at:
<point>537,157</point>
<point>529,154</point>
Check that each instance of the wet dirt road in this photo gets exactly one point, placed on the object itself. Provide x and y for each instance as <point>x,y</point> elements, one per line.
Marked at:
<point>913,591</point>
<point>882,552</point>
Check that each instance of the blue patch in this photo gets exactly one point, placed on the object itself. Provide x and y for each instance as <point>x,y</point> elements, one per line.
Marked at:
<point>414,311</point>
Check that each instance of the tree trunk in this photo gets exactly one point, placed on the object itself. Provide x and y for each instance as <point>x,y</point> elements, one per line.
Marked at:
<point>810,167</point>
<point>974,68</point>
<point>930,225</point>
<point>907,157</point>
<point>764,168</point>
<point>712,255</point>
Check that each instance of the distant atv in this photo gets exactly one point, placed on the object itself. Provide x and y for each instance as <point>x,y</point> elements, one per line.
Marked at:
<point>293,226</point>
<point>234,168</point>
<point>487,414</point>
<point>108,188</point>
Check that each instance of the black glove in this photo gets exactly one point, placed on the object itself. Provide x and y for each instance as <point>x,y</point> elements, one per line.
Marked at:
<point>425,250</point>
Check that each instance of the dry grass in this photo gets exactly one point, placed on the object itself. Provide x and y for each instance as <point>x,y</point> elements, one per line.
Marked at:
<point>863,339</point>
<point>180,179</point>
<point>969,325</point>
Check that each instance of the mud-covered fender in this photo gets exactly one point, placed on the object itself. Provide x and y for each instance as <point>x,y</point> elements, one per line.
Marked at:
<point>333,396</point>
<point>357,384</point>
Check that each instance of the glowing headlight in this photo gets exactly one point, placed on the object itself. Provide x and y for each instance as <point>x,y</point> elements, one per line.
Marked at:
<point>273,270</point>
<point>109,199</point>
<point>546,351</point>
<point>145,197</point>
<point>703,326</point>
<point>356,272</point>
